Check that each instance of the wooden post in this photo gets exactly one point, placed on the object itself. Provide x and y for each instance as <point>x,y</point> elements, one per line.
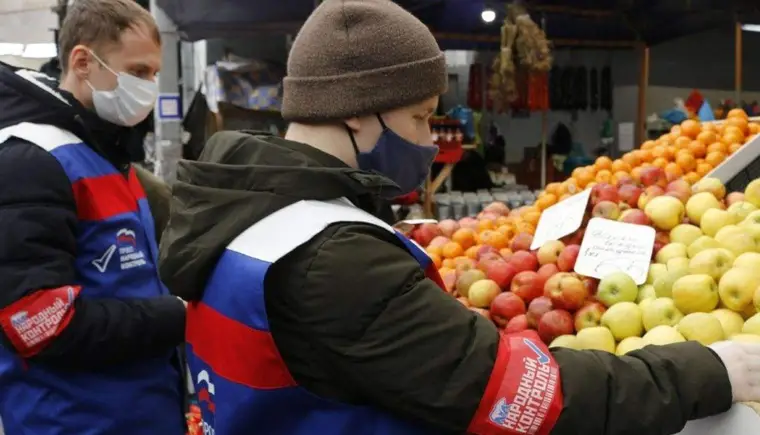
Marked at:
<point>641,121</point>
<point>544,128</point>
<point>738,63</point>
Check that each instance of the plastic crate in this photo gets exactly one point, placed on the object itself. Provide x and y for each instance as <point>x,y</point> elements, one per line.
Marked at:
<point>739,169</point>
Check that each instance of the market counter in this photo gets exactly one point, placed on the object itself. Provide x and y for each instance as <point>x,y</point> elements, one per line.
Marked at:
<point>739,420</point>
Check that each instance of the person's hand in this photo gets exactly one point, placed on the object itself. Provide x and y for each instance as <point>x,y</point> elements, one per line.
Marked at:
<point>742,361</point>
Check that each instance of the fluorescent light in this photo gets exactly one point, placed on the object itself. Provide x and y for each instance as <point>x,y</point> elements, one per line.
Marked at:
<point>40,51</point>
<point>751,27</point>
<point>488,15</point>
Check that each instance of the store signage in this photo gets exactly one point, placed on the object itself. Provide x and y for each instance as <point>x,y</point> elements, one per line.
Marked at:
<point>610,246</point>
<point>561,219</point>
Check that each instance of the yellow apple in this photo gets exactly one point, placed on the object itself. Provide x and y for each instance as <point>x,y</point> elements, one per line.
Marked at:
<point>752,325</point>
<point>753,231</point>
<point>740,210</point>
<point>662,335</point>
<point>629,345</point>
<point>702,243</point>
<point>623,320</point>
<point>669,251</point>
<point>678,265</point>
<point>713,262</point>
<point>699,203</point>
<point>756,299</point>
<point>702,327</point>
<point>749,260</point>
<point>685,233</point>
<point>746,338</point>
<point>646,291</point>
<point>736,239</point>
<point>752,219</point>
<point>752,192</point>
<point>731,321</point>
<point>737,288</point>
<point>596,338</point>
<point>568,341</point>
<point>663,286</point>
<point>644,303</point>
<point>713,220</point>
<point>712,185</point>
<point>656,270</point>
<point>695,294</point>
<point>661,311</point>
<point>665,212</point>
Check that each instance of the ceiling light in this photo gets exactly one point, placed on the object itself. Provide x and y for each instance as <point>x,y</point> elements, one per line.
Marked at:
<point>751,27</point>
<point>488,15</point>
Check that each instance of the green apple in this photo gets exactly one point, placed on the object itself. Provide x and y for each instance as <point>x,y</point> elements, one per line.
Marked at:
<point>629,345</point>
<point>714,262</point>
<point>663,286</point>
<point>702,327</point>
<point>662,335</point>
<point>646,291</point>
<point>661,311</point>
<point>714,219</point>
<point>695,294</point>
<point>644,303</point>
<point>656,270</point>
<point>616,287</point>
<point>752,192</point>
<point>731,321</point>
<point>746,338</point>
<point>665,212</point>
<point>685,233</point>
<point>568,341</point>
<point>752,325</point>
<point>736,239</point>
<point>623,320</point>
<point>753,230</point>
<point>751,219</point>
<point>740,210</point>
<point>737,288</point>
<point>699,203</point>
<point>702,243</point>
<point>671,251</point>
<point>678,265</point>
<point>749,260</point>
<point>596,338</point>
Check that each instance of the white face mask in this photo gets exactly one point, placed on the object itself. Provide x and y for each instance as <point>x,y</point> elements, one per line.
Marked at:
<point>129,103</point>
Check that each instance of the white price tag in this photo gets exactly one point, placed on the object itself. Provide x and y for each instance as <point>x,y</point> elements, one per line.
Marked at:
<point>611,246</point>
<point>561,219</point>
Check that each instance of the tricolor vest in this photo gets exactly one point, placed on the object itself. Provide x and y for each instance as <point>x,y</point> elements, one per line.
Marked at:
<point>242,383</point>
<point>116,258</point>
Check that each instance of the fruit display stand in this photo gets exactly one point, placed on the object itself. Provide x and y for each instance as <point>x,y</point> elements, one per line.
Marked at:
<point>432,185</point>
<point>741,167</point>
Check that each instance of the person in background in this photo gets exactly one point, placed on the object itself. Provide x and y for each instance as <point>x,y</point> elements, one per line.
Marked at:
<point>88,333</point>
<point>309,315</point>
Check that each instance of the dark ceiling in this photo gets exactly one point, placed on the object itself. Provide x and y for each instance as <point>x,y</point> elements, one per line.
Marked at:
<point>457,23</point>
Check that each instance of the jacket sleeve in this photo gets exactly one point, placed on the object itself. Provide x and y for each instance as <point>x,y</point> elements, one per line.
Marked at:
<point>387,335</point>
<point>159,195</point>
<point>41,316</point>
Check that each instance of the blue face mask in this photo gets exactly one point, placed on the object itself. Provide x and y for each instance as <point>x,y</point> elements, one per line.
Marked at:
<point>405,163</point>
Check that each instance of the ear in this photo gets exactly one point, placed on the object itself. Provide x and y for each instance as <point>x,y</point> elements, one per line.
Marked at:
<point>353,124</point>
<point>79,61</point>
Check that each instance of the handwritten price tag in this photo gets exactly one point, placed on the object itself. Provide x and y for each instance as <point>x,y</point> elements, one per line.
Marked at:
<point>611,246</point>
<point>561,219</point>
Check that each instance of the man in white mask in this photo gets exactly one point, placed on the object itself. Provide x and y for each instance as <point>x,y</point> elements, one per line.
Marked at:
<point>88,333</point>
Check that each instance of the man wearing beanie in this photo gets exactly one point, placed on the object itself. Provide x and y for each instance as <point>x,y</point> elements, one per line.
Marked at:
<point>308,315</point>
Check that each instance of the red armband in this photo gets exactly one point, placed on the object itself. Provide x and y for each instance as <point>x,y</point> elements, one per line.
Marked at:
<point>33,321</point>
<point>524,393</point>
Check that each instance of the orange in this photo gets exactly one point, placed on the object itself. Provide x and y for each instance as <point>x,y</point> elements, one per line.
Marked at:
<point>570,186</point>
<point>737,113</point>
<point>734,147</point>
<point>703,169</point>
<point>507,230</point>
<point>670,152</point>
<point>658,152</point>
<point>644,155</point>
<point>486,224</point>
<point>692,177</point>
<point>707,137</point>
<point>583,179</point>
<point>494,239</point>
<point>433,250</point>
<point>472,252</point>
<point>448,263</point>
<point>502,220</point>
<point>660,162</point>
<point>741,123</point>
<point>686,162</point>
<point>673,171</point>
<point>720,147</point>
<point>715,158</point>
<point>553,188</point>
<point>603,176</point>
<point>698,148</point>
<point>636,173</point>
<point>733,130</point>
<point>452,250</point>
<point>603,162</point>
<point>531,218</point>
<point>754,128</point>
<point>710,126</point>
<point>620,165</point>
<point>465,237</point>
<point>546,201</point>
<point>690,128</point>
<point>437,260</point>
<point>622,175</point>
<point>683,141</point>
<point>648,145</point>
<point>631,158</point>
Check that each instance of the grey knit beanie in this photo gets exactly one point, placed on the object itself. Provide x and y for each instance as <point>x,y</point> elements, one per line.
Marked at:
<point>358,57</point>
